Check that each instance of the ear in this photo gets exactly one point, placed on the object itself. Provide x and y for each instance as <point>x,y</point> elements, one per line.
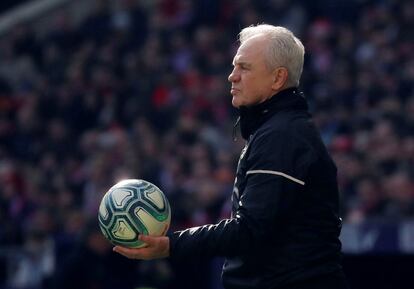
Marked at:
<point>280,78</point>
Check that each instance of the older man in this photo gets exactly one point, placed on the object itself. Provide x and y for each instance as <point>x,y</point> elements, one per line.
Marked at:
<point>284,228</point>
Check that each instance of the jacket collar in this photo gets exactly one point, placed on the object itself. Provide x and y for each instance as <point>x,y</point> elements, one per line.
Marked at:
<point>252,117</point>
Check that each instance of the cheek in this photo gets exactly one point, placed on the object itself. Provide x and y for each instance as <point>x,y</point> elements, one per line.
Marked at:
<point>248,82</point>
<point>251,84</point>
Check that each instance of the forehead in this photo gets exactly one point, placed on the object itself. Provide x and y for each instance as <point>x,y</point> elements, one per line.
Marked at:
<point>251,50</point>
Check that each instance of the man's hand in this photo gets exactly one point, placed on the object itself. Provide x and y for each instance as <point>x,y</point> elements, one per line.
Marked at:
<point>157,247</point>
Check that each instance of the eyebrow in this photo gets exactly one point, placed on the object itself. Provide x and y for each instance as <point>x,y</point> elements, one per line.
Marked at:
<point>241,63</point>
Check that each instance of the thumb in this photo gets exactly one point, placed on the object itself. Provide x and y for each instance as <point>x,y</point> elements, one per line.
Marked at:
<point>146,239</point>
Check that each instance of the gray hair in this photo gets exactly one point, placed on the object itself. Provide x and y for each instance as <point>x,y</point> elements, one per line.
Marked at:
<point>284,49</point>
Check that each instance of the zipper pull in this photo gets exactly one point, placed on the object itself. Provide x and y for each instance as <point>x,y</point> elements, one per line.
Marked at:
<point>235,129</point>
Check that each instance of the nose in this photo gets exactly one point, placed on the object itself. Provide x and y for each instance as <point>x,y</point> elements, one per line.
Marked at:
<point>233,76</point>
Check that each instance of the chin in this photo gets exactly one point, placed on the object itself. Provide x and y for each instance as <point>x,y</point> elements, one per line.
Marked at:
<point>235,103</point>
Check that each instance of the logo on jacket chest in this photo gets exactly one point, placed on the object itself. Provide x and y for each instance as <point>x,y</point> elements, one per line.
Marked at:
<point>243,152</point>
<point>238,173</point>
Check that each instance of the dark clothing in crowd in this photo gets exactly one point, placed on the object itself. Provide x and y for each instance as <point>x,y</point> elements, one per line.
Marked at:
<point>137,89</point>
<point>86,269</point>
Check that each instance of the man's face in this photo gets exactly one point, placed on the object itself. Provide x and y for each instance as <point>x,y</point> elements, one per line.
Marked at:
<point>251,80</point>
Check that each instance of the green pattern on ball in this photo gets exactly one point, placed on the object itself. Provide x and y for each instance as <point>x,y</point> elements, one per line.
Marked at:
<point>130,208</point>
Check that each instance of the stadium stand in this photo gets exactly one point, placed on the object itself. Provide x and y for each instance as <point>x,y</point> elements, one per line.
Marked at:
<point>139,89</point>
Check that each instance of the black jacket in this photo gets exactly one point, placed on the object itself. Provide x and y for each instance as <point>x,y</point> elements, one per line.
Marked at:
<point>285,225</point>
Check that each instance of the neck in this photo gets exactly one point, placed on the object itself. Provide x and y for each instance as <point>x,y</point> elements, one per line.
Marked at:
<point>251,117</point>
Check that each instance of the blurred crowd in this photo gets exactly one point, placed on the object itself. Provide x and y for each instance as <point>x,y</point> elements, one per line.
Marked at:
<point>139,89</point>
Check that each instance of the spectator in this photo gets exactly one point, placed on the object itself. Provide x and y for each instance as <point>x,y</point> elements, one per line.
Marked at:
<point>137,91</point>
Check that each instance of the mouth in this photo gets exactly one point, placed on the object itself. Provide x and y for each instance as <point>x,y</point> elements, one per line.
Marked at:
<point>234,90</point>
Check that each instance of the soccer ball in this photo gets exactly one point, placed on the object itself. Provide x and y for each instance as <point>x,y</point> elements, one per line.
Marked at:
<point>132,207</point>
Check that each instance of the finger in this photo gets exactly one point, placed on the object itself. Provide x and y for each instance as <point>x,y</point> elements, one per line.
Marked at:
<point>122,252</point>
<point>133,253</point>
<point>128,252</point>
<point>147,239</point>
<point>119,249</point>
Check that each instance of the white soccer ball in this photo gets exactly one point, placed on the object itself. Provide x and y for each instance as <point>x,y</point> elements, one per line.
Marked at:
<point>133,207</point>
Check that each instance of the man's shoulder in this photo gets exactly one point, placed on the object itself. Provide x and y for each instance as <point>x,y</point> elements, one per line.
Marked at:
<point>289,124</point>
<point>290,132</point>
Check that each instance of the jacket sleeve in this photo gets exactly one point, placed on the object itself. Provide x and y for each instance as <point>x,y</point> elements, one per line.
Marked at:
<point>275,177</point>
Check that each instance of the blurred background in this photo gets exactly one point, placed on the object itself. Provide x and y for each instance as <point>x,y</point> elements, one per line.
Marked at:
<point>95,91</point>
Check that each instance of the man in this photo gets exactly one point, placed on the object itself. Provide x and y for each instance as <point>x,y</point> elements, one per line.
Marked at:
<point>284,228</point>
